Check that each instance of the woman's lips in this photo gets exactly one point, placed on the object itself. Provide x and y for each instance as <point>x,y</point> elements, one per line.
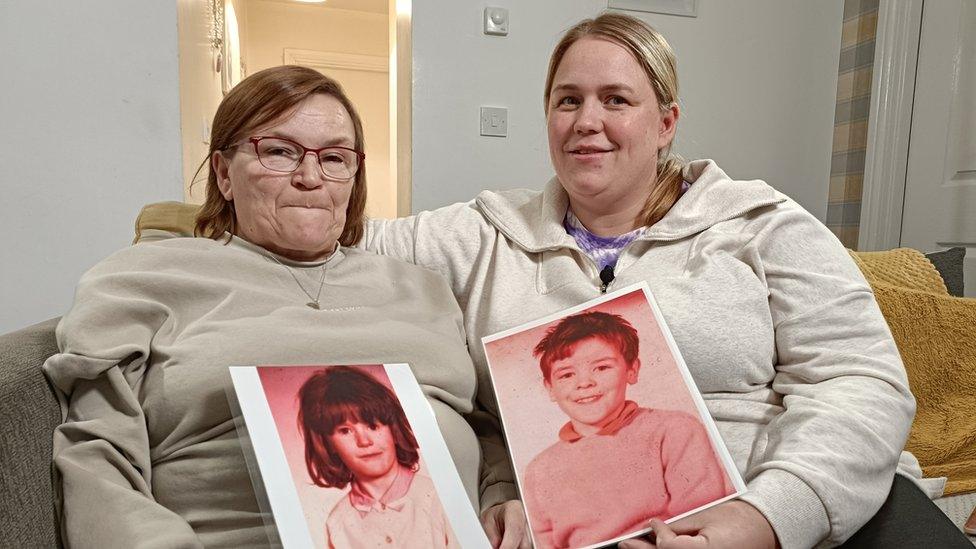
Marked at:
<point>588,154</point>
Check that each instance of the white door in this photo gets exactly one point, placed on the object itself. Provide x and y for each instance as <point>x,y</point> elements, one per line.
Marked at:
<point>940,191</point>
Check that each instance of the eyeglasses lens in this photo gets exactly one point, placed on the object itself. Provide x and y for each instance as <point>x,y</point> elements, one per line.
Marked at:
<point>284,156</point>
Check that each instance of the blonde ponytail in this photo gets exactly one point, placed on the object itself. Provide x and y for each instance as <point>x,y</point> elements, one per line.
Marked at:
<point>666,191</point>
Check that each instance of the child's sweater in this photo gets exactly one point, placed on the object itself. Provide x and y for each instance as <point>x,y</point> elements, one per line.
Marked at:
<point>583,490</point>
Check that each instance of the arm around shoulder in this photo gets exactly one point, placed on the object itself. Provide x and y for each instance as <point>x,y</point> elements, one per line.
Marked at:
<point>447,240</point>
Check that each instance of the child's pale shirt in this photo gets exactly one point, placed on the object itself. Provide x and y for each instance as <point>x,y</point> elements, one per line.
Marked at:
<point>409,515</point>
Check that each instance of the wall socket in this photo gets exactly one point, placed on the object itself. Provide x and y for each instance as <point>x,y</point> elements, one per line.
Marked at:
<point>494,121</point>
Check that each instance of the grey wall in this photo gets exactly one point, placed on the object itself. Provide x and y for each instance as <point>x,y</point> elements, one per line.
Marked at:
<point>91,132</point>
<point>457,69</point>
<point>758,85</point>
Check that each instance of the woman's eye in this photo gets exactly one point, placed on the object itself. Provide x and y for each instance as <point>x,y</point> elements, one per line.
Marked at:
<point>616,100</point>
<point>568,101</point>
<point>343,430</point>
<point>280,151</point>
<point>564,375</point>
<point>333,158</point>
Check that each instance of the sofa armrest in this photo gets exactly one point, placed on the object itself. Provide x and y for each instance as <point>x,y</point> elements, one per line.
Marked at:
<point>29,412</point>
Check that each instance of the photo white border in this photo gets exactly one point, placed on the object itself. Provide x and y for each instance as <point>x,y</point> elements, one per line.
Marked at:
<point>716,439</point>
<point>270,456</point>
<point>440,465</point>
<point>279,485</point>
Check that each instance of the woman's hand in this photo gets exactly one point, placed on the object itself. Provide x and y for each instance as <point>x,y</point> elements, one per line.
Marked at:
<point>506,526</point>
<point>729,525</point>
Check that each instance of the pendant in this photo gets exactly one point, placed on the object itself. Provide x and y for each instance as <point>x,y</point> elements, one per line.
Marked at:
<point>313,305</point>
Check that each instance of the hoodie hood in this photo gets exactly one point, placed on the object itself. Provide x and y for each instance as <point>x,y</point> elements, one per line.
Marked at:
<point>534,220</point>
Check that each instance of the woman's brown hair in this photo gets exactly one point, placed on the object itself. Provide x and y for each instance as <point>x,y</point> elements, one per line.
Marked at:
<point>260,100</point>
<point>655,56</point>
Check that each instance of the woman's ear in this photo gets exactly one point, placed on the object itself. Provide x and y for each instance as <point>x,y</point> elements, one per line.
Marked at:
<point>669,125</point>
<point>221,168</point>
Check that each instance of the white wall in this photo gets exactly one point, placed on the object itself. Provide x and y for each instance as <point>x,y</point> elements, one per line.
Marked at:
<point>456,70</point>
<point>758,81</point>
<point>758,85</point>
<point>90,117</point>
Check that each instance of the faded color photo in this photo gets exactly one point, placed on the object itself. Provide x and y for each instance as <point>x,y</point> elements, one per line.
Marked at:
<point>606,427</point>
<point>354,459</point>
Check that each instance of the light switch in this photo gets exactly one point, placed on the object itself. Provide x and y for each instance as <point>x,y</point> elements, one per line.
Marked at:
<point>494,121</point>
<point>496,21</point>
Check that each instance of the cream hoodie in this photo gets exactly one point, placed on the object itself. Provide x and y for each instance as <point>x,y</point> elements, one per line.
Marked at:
<point>778,327</point>
<point>149,455</point>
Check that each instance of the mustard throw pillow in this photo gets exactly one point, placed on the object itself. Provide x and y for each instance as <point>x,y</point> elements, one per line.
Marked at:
<point>936,335</point>
<point>177,218</point>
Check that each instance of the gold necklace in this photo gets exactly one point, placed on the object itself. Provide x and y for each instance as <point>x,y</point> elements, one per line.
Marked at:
<point>314,304</point>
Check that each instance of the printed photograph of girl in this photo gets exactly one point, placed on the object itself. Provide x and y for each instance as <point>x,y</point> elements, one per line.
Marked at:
<point>617,438</point>
<point>355,459</point>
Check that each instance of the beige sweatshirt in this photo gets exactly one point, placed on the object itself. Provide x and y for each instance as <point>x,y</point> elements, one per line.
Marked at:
<point>779,330</point>
<point>149,456</point>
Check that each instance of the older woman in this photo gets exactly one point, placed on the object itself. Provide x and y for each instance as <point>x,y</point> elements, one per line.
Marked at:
<point>148,455</point>
<point>778,327</point>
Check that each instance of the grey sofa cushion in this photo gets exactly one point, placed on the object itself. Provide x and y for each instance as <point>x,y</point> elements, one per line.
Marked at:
<point>29,412</point>
<point>949,265</point>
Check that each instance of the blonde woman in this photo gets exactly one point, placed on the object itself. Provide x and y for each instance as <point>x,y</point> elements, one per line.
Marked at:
<point>778,327</point>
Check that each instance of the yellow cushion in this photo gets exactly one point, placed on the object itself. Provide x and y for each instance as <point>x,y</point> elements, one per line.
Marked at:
<point>177,218</point>
<point>903,267</point>
<point>935,335</point>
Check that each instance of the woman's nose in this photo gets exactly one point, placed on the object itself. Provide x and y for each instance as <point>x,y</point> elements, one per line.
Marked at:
<point>309,172</point>
<point>589,118</point>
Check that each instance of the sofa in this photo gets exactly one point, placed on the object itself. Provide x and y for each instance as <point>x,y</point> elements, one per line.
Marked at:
<point>29,411</point>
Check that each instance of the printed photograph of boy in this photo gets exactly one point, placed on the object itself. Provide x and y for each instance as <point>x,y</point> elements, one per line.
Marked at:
<point>624,443</point>
<point>354,458</point>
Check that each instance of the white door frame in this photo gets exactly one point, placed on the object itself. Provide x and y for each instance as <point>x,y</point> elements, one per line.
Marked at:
<point>889,124</point>
<point>401,102</point>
